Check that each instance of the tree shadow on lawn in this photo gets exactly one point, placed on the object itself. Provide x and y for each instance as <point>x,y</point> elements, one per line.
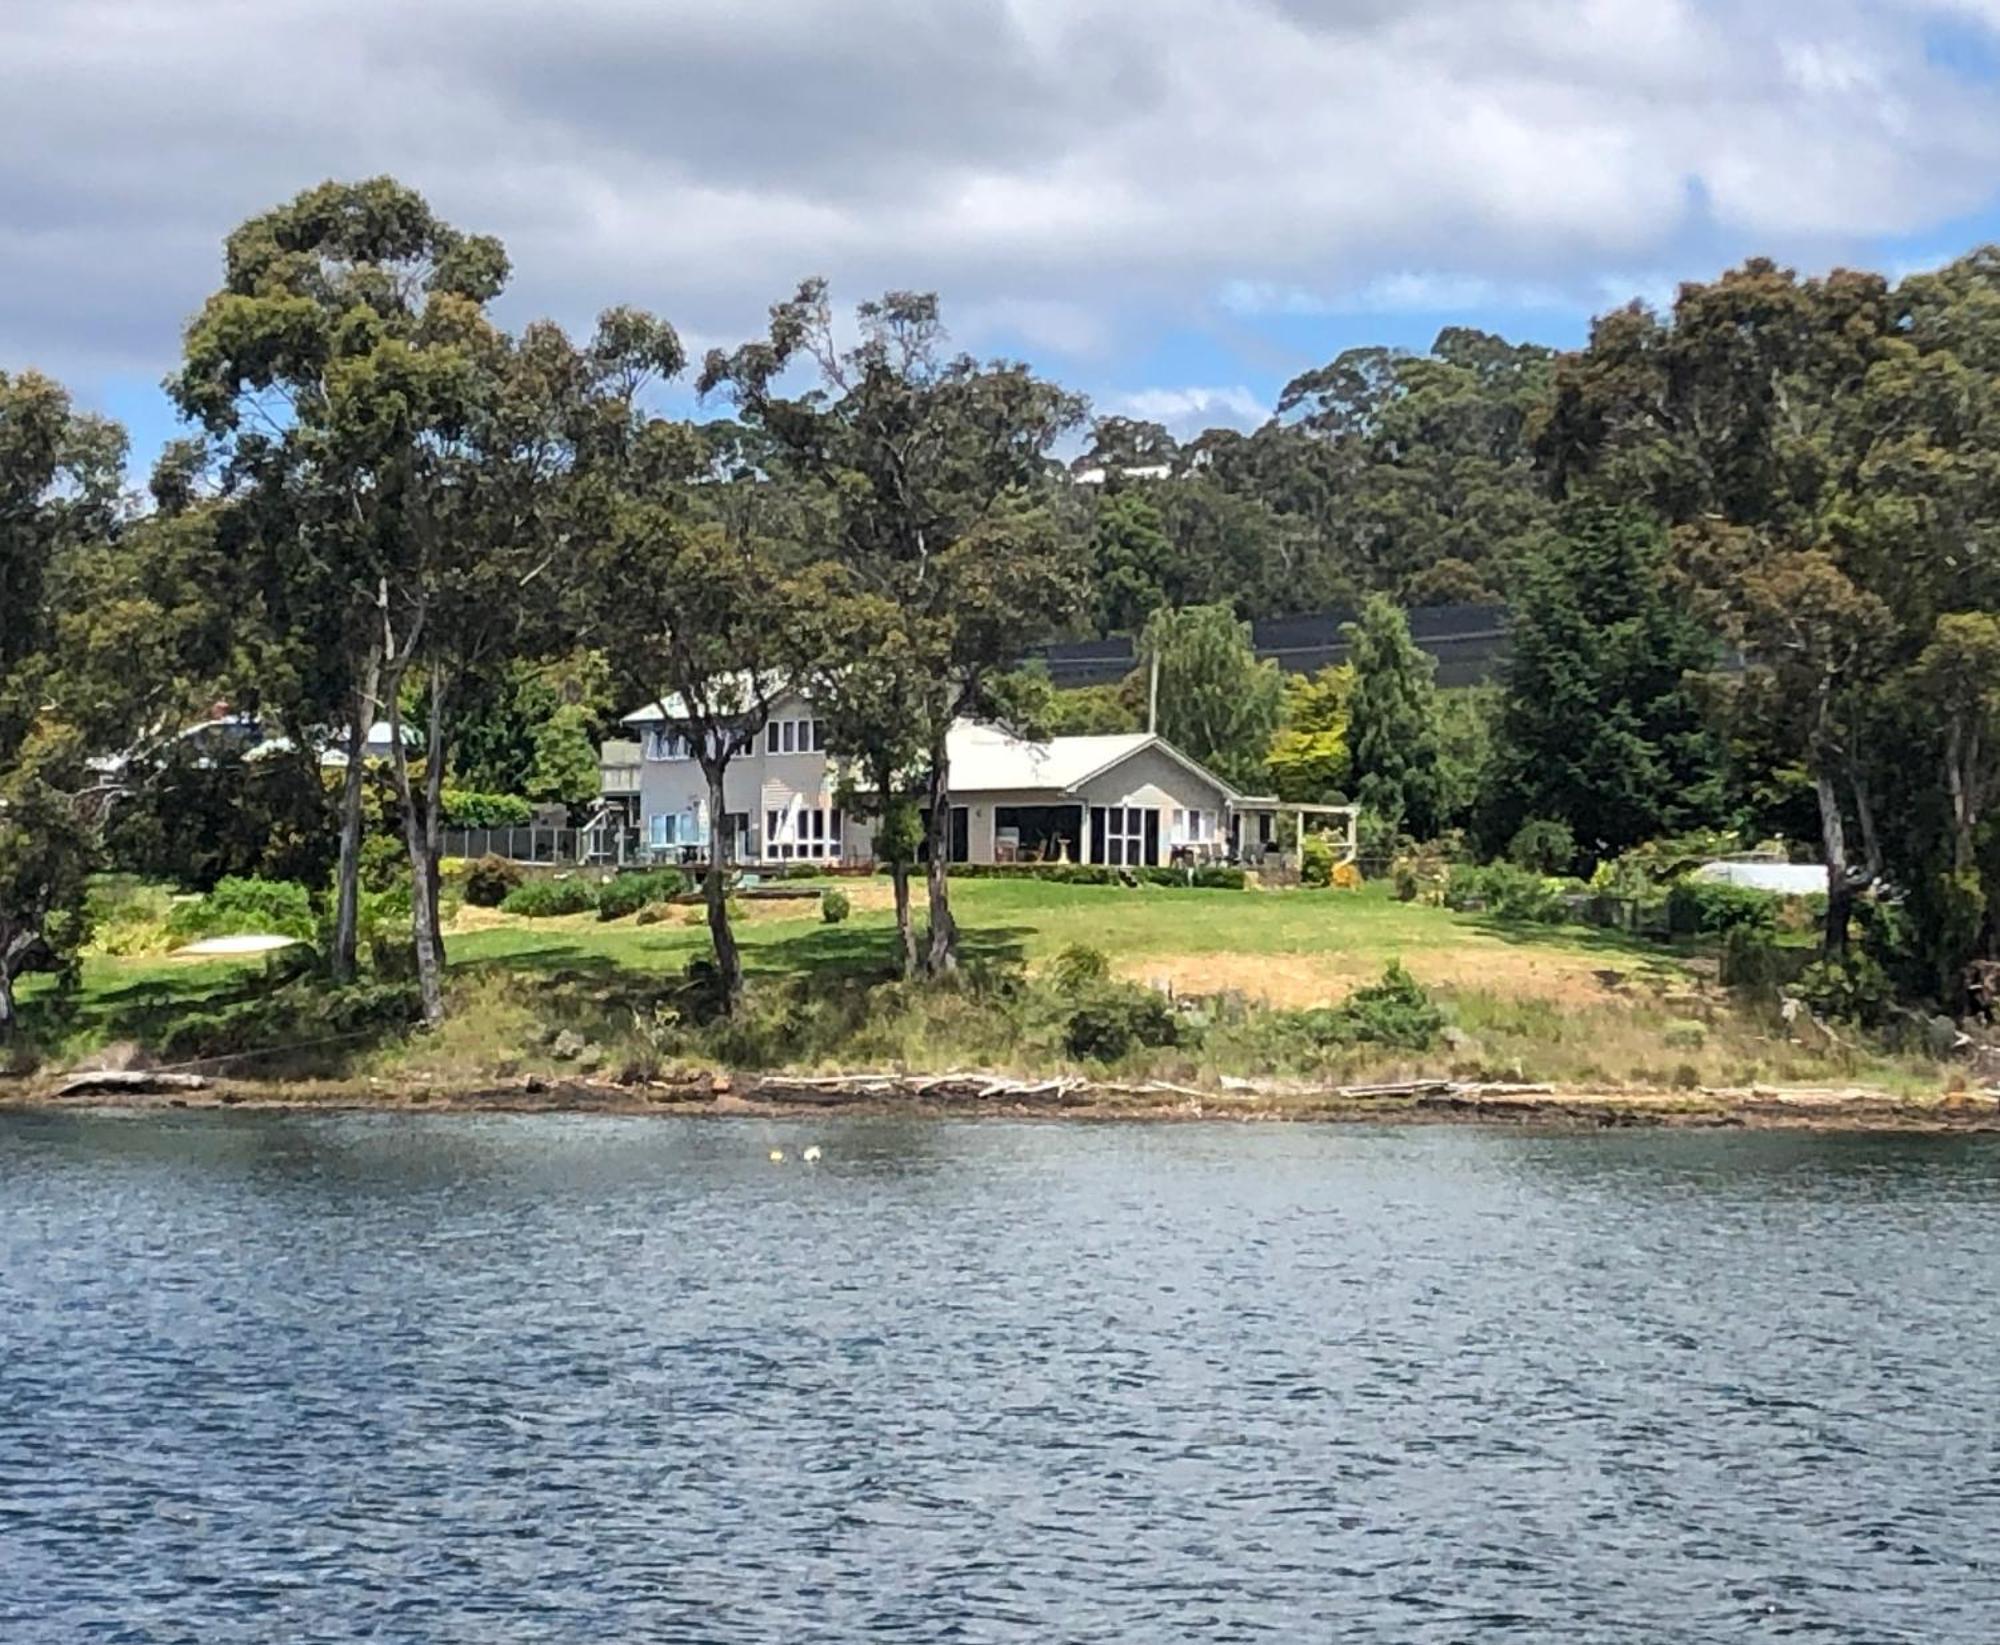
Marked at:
<point>240,1023</point>
<point>1652,962</point>
<point>572,985</point>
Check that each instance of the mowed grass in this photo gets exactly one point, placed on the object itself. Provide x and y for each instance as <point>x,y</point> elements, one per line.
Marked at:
<point>1565,1004</point>
<point>1288,947</point>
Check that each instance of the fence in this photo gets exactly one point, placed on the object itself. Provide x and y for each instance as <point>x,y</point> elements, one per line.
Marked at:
<point>526,845</point>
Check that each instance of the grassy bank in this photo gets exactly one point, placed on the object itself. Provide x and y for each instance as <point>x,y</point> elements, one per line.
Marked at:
<point>1252,972</point>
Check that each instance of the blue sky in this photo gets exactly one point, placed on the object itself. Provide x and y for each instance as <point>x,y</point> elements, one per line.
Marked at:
<point>1174,206</point>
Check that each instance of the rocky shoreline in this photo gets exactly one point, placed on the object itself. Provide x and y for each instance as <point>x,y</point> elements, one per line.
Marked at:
<point>969,1095</point>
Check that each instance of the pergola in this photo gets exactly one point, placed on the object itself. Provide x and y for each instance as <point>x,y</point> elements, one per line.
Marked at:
<point>1348,815</point>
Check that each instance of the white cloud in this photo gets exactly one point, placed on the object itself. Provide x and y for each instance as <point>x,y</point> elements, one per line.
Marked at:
<point>1189,410</point>
<point>1072,174</point>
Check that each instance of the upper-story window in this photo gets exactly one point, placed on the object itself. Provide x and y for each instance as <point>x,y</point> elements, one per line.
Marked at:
<point>794,737</point>
<point>665,743</point>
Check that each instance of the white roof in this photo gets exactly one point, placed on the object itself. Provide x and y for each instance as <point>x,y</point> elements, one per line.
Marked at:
<point>1787,879</point>
<point>986,759</point>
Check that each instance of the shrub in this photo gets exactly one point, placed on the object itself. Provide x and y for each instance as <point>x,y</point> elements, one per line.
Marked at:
<point>278,908</point>
<point>628,893</point>
<point>1394,1012</point>
<point>1346,877</point>
<point>465,809</point>
<point>1855,990</point>
<point>1212,877</point>
<point>385,861</point>
<point>1543,846</point>
<point>1700,907</point>
<point>1077,968</point>
<point>547,899</point>
<point>1316,860</point>
<point>1508,893</point>
<point>834,907</point>
<point>654,913</point>
<point>490,881</point>
<point>1116,1021</point>
<point>1420,873</point>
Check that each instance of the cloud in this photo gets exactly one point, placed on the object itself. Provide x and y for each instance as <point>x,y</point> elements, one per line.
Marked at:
<point>1074,175</point>
<point>1187,411</point>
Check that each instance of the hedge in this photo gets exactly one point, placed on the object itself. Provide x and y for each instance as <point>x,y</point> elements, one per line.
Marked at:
<point>465,809</point>
<point>1213,877</point>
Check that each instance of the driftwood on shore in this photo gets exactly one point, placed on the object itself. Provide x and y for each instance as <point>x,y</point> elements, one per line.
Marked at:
<point>127,1082</point>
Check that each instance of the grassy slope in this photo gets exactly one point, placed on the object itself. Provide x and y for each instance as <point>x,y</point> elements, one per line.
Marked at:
<point>1564,1004</point>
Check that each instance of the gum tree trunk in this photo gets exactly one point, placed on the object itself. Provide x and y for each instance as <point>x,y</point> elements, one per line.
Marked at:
<point>347,878</point>
<point>942,957</point>
<point>419,836</point>
<point>715,889</point>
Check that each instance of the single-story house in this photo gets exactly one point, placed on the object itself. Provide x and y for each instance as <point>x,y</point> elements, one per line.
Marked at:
<point>1128,799</point>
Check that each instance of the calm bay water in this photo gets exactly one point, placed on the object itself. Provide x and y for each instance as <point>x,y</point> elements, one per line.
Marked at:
<point>268,1378</point>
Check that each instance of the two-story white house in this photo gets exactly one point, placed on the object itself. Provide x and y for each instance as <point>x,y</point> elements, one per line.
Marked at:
<point>1129,799</point>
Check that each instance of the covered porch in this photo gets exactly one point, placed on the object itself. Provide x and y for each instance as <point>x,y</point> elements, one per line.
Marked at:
<point>1258,832</point>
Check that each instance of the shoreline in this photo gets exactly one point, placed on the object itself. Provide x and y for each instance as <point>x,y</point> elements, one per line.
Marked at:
<point>971,1096</point>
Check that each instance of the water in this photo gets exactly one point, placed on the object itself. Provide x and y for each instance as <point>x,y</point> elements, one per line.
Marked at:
<point>269,1378</point>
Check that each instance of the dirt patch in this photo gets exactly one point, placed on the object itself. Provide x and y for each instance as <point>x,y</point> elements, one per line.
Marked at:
<point>1294,981</point>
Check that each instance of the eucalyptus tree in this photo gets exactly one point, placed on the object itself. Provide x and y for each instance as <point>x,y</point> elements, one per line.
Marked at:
<point>113,630</point>
<point>935,492</point>
<point>334,368</point>
<point>695,603</point>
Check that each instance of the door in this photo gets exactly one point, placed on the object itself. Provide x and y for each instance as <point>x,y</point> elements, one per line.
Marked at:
<point>959,849</point>
<point>1124,836</point>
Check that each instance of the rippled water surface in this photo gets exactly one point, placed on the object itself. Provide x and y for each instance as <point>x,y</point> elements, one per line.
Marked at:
<point>266,1378</point>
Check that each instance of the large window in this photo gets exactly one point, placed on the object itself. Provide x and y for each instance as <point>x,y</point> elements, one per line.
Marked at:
<point>664,743</point>
<point>669,829</point>
<point>810,833</point>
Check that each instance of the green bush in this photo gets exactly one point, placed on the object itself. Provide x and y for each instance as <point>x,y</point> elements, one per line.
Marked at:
<point>1077,968</point>
<point>1394,1012</point>
<point>1316,860</point>
<point>834,907</point>
<point>1508,893</point>
<point>1543,846</point>
<point>1705,907</point>
<point>1117,1020</point>
<point>1855,990</point>
<point>547,899</point>
<point>278,908</point>
<point>490,881</point>
<point>1212,877</point>
<point>628,893</point>
<point>465,809</point>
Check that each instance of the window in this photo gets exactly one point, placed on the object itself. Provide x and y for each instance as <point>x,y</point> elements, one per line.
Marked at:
<point>671,828</point>
<point>771,737</point>
<point>818,736</point>
<point>1191,827</point>
<point>810,832</point>
<point>664,744</point>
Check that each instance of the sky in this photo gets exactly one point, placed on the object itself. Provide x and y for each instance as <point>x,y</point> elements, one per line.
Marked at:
<point>1172,205</point>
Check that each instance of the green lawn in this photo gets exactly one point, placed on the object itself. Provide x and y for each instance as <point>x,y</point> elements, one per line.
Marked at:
<point>1561,1003</point>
